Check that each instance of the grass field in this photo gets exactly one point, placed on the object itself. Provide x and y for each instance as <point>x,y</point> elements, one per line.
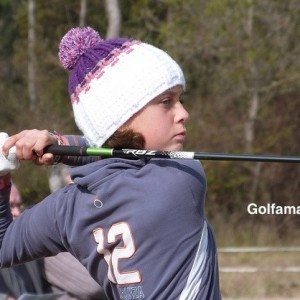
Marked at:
<point>265,284</point>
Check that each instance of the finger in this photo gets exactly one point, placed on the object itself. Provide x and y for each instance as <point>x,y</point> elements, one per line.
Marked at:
<point>11,141</point>
<point>25,150</point>
<point>47,159</point>
<point>44,140</point>
<point>31,144</point>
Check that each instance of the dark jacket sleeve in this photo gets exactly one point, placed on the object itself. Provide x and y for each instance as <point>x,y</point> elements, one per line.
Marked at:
<point>5,213</point>
<point>32,235</point>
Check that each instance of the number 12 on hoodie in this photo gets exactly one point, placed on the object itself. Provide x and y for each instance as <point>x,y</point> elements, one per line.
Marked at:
<point>115,232</point>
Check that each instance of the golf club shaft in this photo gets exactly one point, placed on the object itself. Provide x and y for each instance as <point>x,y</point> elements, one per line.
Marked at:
<point>134,153</point>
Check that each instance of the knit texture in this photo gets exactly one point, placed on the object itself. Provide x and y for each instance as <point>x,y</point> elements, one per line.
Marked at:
<point>112,80</point>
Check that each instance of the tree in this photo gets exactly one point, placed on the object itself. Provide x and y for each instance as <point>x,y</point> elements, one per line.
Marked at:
<point>114,18</point>
<point>31,55</point>
<point>82,14</point>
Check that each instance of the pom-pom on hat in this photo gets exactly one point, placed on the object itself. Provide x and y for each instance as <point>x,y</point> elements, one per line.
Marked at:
<point>111,80</point>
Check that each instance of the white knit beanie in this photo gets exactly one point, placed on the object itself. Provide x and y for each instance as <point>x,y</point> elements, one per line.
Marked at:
<point>111,80</point>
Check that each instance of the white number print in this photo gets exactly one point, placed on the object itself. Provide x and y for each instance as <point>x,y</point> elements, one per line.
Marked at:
<point>112,258</point>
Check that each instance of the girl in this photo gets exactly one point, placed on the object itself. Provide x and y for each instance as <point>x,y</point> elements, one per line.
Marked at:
<point>138,226</point>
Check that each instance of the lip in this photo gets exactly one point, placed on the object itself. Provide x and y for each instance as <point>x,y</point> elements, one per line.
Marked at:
<point>181,135</point>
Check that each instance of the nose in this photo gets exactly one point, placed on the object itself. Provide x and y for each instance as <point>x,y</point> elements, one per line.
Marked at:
<point>181,115</point>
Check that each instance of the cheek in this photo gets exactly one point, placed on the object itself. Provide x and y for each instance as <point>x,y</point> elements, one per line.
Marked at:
<point>144,121</point>
<point>153,123</point>
<point>156,136</point>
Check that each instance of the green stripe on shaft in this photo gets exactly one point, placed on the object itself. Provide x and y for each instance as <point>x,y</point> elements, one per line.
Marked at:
<point>104,152</point>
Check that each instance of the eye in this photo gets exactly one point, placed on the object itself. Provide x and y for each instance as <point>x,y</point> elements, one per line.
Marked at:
<point>167,102</point>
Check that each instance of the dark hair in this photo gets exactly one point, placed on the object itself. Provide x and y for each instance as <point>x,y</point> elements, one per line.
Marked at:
<point>126,138</point>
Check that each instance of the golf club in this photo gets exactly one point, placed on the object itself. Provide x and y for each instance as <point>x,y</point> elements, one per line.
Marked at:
<point>136,153</point>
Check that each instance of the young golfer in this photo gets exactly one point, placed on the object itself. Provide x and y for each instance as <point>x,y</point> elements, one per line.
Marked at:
<point>138,226</point>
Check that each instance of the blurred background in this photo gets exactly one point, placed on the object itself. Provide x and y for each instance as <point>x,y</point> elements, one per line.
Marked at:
<point>241,61</point>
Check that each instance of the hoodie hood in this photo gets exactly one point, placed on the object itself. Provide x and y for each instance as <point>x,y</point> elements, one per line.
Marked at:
<point>96,173</point>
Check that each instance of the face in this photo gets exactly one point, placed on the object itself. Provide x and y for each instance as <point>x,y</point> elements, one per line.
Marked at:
<point>15,202</point>
<point>15,207</point>
<point>162,121</point>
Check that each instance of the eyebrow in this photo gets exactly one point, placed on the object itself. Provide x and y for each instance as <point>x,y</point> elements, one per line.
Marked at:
<point>170,91</point>
<point>166,93</point>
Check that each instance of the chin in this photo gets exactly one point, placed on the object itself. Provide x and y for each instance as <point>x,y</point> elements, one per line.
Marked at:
<point>178,147</point>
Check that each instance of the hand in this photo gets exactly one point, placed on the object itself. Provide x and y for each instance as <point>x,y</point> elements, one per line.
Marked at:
<point>30,144</point>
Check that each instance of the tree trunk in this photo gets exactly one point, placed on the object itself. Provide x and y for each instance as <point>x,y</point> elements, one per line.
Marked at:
<point>31,55</point>
<point>252,110</point>
<point>82,14</point>
<point>114,18</point>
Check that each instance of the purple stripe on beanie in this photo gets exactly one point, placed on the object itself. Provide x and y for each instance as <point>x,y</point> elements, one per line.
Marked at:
<point>100,68</point>
<point>89,59</point>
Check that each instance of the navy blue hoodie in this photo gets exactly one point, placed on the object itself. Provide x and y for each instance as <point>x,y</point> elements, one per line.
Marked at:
<point>138,226</point>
